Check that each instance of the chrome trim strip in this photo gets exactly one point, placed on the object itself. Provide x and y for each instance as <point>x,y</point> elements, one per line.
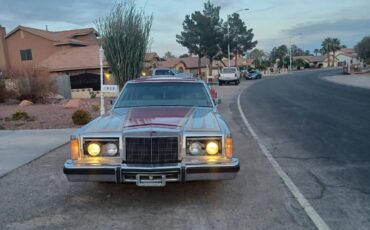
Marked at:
<point>175,172</point>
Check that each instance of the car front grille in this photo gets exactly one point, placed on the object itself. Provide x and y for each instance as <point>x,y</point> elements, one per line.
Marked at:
<point>151,150</point>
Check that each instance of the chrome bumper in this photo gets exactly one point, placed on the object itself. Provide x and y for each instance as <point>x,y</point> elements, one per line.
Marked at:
<point>153,175</point>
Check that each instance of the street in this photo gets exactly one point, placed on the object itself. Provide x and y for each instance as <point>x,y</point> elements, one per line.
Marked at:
<point>317,131</point>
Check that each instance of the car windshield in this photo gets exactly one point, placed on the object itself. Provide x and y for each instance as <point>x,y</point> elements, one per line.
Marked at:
<point>164,94</point>
<point>163,72</point>
<point>229,70</point>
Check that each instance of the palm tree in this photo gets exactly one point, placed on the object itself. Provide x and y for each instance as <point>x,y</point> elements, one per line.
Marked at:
<point>335,46</point>
<point>326,48</point>
<point>316,51</point>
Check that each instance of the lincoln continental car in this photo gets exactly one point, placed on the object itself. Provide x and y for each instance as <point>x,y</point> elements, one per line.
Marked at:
<point>159,130</point>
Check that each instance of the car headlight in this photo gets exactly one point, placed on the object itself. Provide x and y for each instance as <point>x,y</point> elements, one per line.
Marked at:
<point>101,147</point>
<point>111,149</point>
<point>212,148</point>
<point>195,148</point>
<point>203,146</point>
<point>93,149</point>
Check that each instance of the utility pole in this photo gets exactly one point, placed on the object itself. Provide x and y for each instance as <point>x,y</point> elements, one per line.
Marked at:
<point>101,57</point>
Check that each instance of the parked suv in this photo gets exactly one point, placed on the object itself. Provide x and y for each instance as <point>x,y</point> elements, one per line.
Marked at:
<point>229,74</point>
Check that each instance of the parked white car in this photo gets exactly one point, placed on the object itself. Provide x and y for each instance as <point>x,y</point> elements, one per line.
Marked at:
<point>229,74</point>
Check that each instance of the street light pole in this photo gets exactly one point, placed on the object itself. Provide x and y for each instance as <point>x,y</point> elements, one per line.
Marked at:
<point>228,34</point>
<point>101,57</point>
<point>290,54</point>
<point>228,39</point>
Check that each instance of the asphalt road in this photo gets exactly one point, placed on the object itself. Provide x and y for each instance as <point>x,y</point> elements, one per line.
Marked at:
<point>319,132</point>
<point>38,196</point>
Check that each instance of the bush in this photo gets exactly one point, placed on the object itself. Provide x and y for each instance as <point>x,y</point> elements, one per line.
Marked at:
<point>32,86</point>
<point>92,94</point>
<point>95,108</point>
<point>81,117</point>
<point>3,91</point>
<point>21,115</point>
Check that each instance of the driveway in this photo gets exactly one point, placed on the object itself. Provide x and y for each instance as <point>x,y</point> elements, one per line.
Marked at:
<point>22,146</point>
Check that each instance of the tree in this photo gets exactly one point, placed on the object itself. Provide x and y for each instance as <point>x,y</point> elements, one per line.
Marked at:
<point>326,48</point>
<point>202,33</point>
<point>279,53</point>
<point>257,54</point>
<point>240,37</point>
<point>335,46</point>
<point>316,51</point>
<point>363,49</point>
<point>296,51</point>
<point>125,38</point>
<point>330,46</point>
<point>168,54</point>
<point>307,53</point>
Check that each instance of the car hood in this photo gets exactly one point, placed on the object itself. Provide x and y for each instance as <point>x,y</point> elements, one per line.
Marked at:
<point>182,118</point>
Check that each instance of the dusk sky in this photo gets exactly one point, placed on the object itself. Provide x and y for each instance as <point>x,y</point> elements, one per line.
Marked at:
<point>307,23</point>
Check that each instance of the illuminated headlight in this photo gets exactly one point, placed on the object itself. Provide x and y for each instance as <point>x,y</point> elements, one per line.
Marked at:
<point>111,149</point>
<point>203,146</point>
<point>195,148</point>
<point>212,148</point>
<point>93,149</point>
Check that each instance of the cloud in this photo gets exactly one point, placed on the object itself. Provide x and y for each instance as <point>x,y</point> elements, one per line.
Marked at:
<point>330,28</point>
<point>13,13</point>
<point>223,3</point>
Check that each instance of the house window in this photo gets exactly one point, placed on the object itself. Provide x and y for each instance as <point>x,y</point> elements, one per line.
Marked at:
<point>26,55</point>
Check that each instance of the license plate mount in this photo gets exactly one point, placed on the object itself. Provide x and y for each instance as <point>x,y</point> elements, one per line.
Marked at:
<point>150,180</point>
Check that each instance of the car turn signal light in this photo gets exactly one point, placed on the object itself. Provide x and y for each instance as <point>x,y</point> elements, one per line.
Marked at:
<point>75,153</point>
<point>229,148</point>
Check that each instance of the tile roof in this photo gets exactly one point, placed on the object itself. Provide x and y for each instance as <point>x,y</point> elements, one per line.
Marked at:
<point>169,63</point>
<point>311,58</point>
<point>192,62</point>
<point>151,56</point>
<point>76,58</point>
<point>349,52</point>
<point>59,37</point>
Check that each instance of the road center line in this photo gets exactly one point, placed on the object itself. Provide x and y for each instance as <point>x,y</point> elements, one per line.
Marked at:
<point>307,207</point>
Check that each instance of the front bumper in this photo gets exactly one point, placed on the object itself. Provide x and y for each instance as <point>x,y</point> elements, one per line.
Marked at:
<point>153,175</point>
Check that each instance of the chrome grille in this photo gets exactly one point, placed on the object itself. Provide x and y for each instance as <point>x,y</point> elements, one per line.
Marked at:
<point>151,150</point>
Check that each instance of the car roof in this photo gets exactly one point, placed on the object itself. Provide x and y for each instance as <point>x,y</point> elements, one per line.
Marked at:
<point>165,78</point>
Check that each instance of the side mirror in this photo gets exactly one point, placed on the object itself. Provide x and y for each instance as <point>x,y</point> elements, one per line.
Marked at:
<point>112,101</point>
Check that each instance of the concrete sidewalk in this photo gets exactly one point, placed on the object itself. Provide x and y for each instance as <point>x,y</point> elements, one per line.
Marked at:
<point>361,81</point>
<point>18,147</point>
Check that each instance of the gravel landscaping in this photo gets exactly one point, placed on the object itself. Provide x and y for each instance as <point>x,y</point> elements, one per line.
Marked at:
<point>45,116</point>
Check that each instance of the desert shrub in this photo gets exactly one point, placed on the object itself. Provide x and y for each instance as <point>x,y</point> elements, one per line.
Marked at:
<point>92,94</point>
<point>95,108</point>
<point>32,86</point>
<point>21,115</point>
<point>3,91</point>
<point>81,117</point>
